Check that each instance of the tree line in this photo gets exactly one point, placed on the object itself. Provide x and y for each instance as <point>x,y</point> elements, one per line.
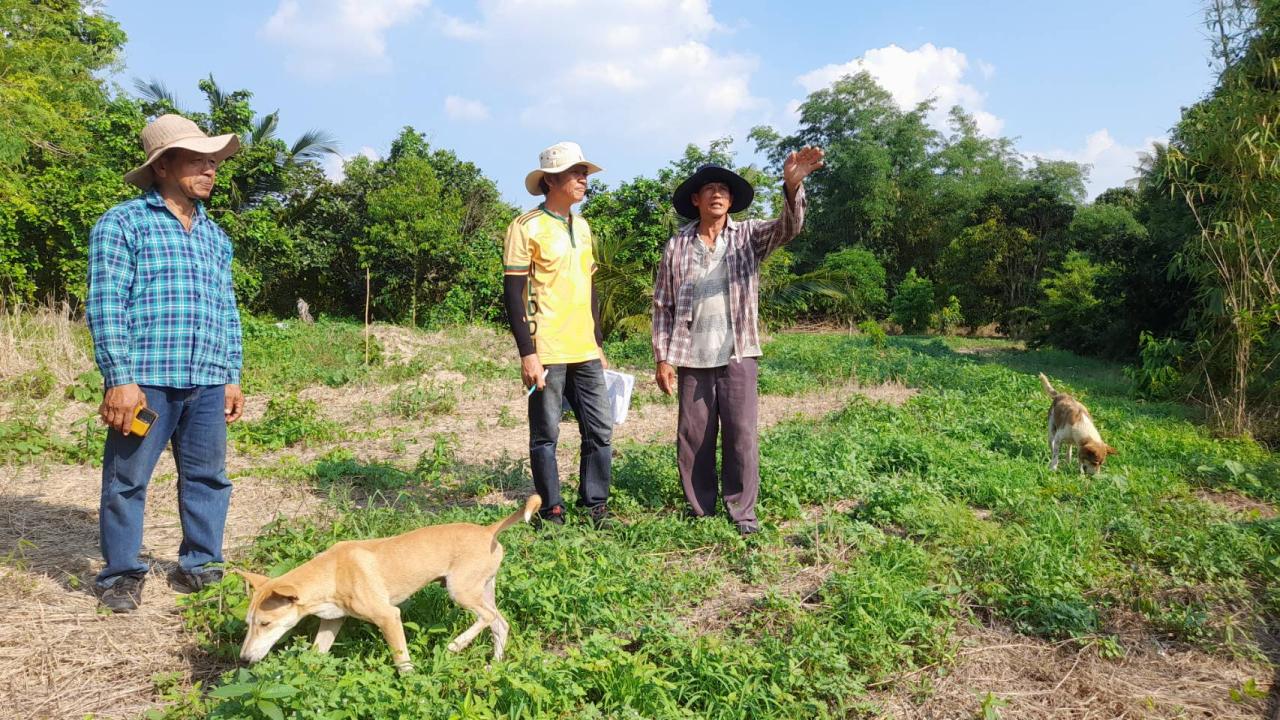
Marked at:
<point>942,230</point>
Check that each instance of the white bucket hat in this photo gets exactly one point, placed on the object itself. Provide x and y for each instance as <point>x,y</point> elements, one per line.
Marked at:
<point>174,131</point>
<point>557,159</point>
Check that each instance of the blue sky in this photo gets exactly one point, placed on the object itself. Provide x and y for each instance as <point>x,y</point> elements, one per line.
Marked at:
<point>634,81</point>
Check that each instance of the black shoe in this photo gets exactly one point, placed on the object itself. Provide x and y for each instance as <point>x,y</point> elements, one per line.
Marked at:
<point>748,528</point>
<point>599,518</point>
<point>189,582</point>
<point>124,595</point>
<point>553,516</point>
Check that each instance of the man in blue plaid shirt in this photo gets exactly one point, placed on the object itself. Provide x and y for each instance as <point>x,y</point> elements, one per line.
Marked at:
<point>166,335</point>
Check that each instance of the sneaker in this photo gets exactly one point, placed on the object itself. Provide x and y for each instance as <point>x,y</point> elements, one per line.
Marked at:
<point>124,595</point>
<point>553,516</point>
<point>748,528</point>
<point>599,517</point>
<point>189,582</point>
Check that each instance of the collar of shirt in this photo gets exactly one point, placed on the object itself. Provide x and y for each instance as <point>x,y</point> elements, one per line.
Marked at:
<point>156,200</point>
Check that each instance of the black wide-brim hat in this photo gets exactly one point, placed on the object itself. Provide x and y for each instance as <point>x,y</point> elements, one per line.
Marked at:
<point>741,190</point>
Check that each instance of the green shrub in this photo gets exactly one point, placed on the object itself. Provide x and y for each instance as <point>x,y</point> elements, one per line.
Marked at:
<point>1081,307</point>
<point>950,317</point>
<point>87,388</point>
<point>859,279</point>
<point>873,332</point>
<point>1158,374</point>
<point>913,302</point>
<point>288,421</point>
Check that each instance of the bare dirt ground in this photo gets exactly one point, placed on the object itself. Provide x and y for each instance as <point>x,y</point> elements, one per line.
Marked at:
<point>1036,679</point>
<point>61,658</point>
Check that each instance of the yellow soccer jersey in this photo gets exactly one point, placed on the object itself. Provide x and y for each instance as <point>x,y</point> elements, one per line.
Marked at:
<point>556,255</point>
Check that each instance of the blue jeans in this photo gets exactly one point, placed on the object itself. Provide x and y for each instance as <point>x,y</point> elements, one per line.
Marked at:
<point>582,384</point>
<point>193,419</point>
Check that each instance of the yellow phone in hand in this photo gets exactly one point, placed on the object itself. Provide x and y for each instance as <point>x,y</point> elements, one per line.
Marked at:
<point>142,420</point>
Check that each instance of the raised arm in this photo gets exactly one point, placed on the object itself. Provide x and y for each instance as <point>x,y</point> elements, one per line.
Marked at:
<point>769,235</point>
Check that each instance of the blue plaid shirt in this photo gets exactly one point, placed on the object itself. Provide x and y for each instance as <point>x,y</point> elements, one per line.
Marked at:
<point>161,307</point>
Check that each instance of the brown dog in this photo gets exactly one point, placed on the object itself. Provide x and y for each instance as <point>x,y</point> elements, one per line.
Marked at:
<point>1070,424</point>
<point>367,579</point>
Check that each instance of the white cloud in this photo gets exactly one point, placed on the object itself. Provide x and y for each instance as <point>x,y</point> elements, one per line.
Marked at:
<point>327,36</point>
<point>458,28</point>
<point>644,66</point>
<point>335,165</point>
<point>928,72</point>
<point>460,108</point>
<point>1113,163</point>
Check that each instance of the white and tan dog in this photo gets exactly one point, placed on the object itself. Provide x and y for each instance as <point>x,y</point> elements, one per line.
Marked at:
<point>367,579</point>
<point>1070,424</point>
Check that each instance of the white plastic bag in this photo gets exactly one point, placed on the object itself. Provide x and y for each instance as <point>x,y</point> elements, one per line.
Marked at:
<point>618,385</point>
<point>617,388</point>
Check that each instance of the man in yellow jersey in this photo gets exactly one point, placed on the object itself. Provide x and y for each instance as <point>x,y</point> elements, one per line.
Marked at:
<point>551,306</point>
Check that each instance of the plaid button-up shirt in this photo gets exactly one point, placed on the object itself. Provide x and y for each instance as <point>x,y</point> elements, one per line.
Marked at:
<point>748,243</point>
<point>161,307</point>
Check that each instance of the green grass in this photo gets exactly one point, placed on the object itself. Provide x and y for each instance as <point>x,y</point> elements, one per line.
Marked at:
<point>287,356</point>
<point>954,518</point>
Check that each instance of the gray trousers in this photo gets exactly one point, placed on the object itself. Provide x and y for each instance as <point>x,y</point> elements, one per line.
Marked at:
<point>721,400</point>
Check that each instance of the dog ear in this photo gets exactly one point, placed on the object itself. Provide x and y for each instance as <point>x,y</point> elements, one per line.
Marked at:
<point>287,593</point>
<point>254,579</point>
<point>1111,451</point>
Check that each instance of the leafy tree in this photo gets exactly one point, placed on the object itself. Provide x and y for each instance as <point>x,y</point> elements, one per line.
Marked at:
<point>64,143</point>
<point>987,268</point>
<point>1081,305</point>
<point>913,302</point>
<point>859,281</point>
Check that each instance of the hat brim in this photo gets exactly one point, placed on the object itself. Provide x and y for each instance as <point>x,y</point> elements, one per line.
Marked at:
<point>220,146</point>
<point>531,180</point>
<point>741,190</point>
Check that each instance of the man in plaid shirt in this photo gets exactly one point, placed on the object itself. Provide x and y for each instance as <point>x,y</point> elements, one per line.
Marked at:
<point>166,336</point>
<point>705,335</point>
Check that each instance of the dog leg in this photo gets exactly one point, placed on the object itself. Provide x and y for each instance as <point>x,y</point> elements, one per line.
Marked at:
<point>388,621</point>
<point>473,600</point>
<point>1053,462</point>
<point>326,634</point>
<point>500,627</point>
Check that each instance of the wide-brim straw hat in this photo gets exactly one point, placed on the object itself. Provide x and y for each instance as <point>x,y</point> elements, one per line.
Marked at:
<point>557,159</point>
<point>169,132</point>
<point>739,188</point>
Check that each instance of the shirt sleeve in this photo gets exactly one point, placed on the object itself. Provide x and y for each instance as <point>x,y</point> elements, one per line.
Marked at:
<point>235,342</point>
<point>111,273</point>
<point>515,250</point>
<point>769,235</point>
<point>664,301</point>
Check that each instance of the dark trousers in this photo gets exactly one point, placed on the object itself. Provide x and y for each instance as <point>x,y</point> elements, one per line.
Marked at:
<point>720,400</point>
<point>582,384</point>
<point>192,420</point>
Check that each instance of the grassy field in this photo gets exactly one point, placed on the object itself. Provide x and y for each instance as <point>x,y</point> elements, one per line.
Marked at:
<point>918,559</point>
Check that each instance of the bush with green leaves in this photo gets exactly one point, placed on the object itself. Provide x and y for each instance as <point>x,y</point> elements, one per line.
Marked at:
<point>858,279</point>
<point>1081,307</point>
<point>288,421</point>
<point>950,316</point>
<point>913,302</point>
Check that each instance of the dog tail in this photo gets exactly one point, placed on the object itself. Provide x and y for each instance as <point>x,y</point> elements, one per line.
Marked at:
<point>1048,389</point>
<point>524,514</point>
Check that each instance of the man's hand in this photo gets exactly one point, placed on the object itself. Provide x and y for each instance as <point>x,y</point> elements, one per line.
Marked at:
<point>531,371</point>
<point>234,403</point>
<point>666,377</point>
<point>604,361</point>
<point>119,405</point>
<point>798,165</point>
